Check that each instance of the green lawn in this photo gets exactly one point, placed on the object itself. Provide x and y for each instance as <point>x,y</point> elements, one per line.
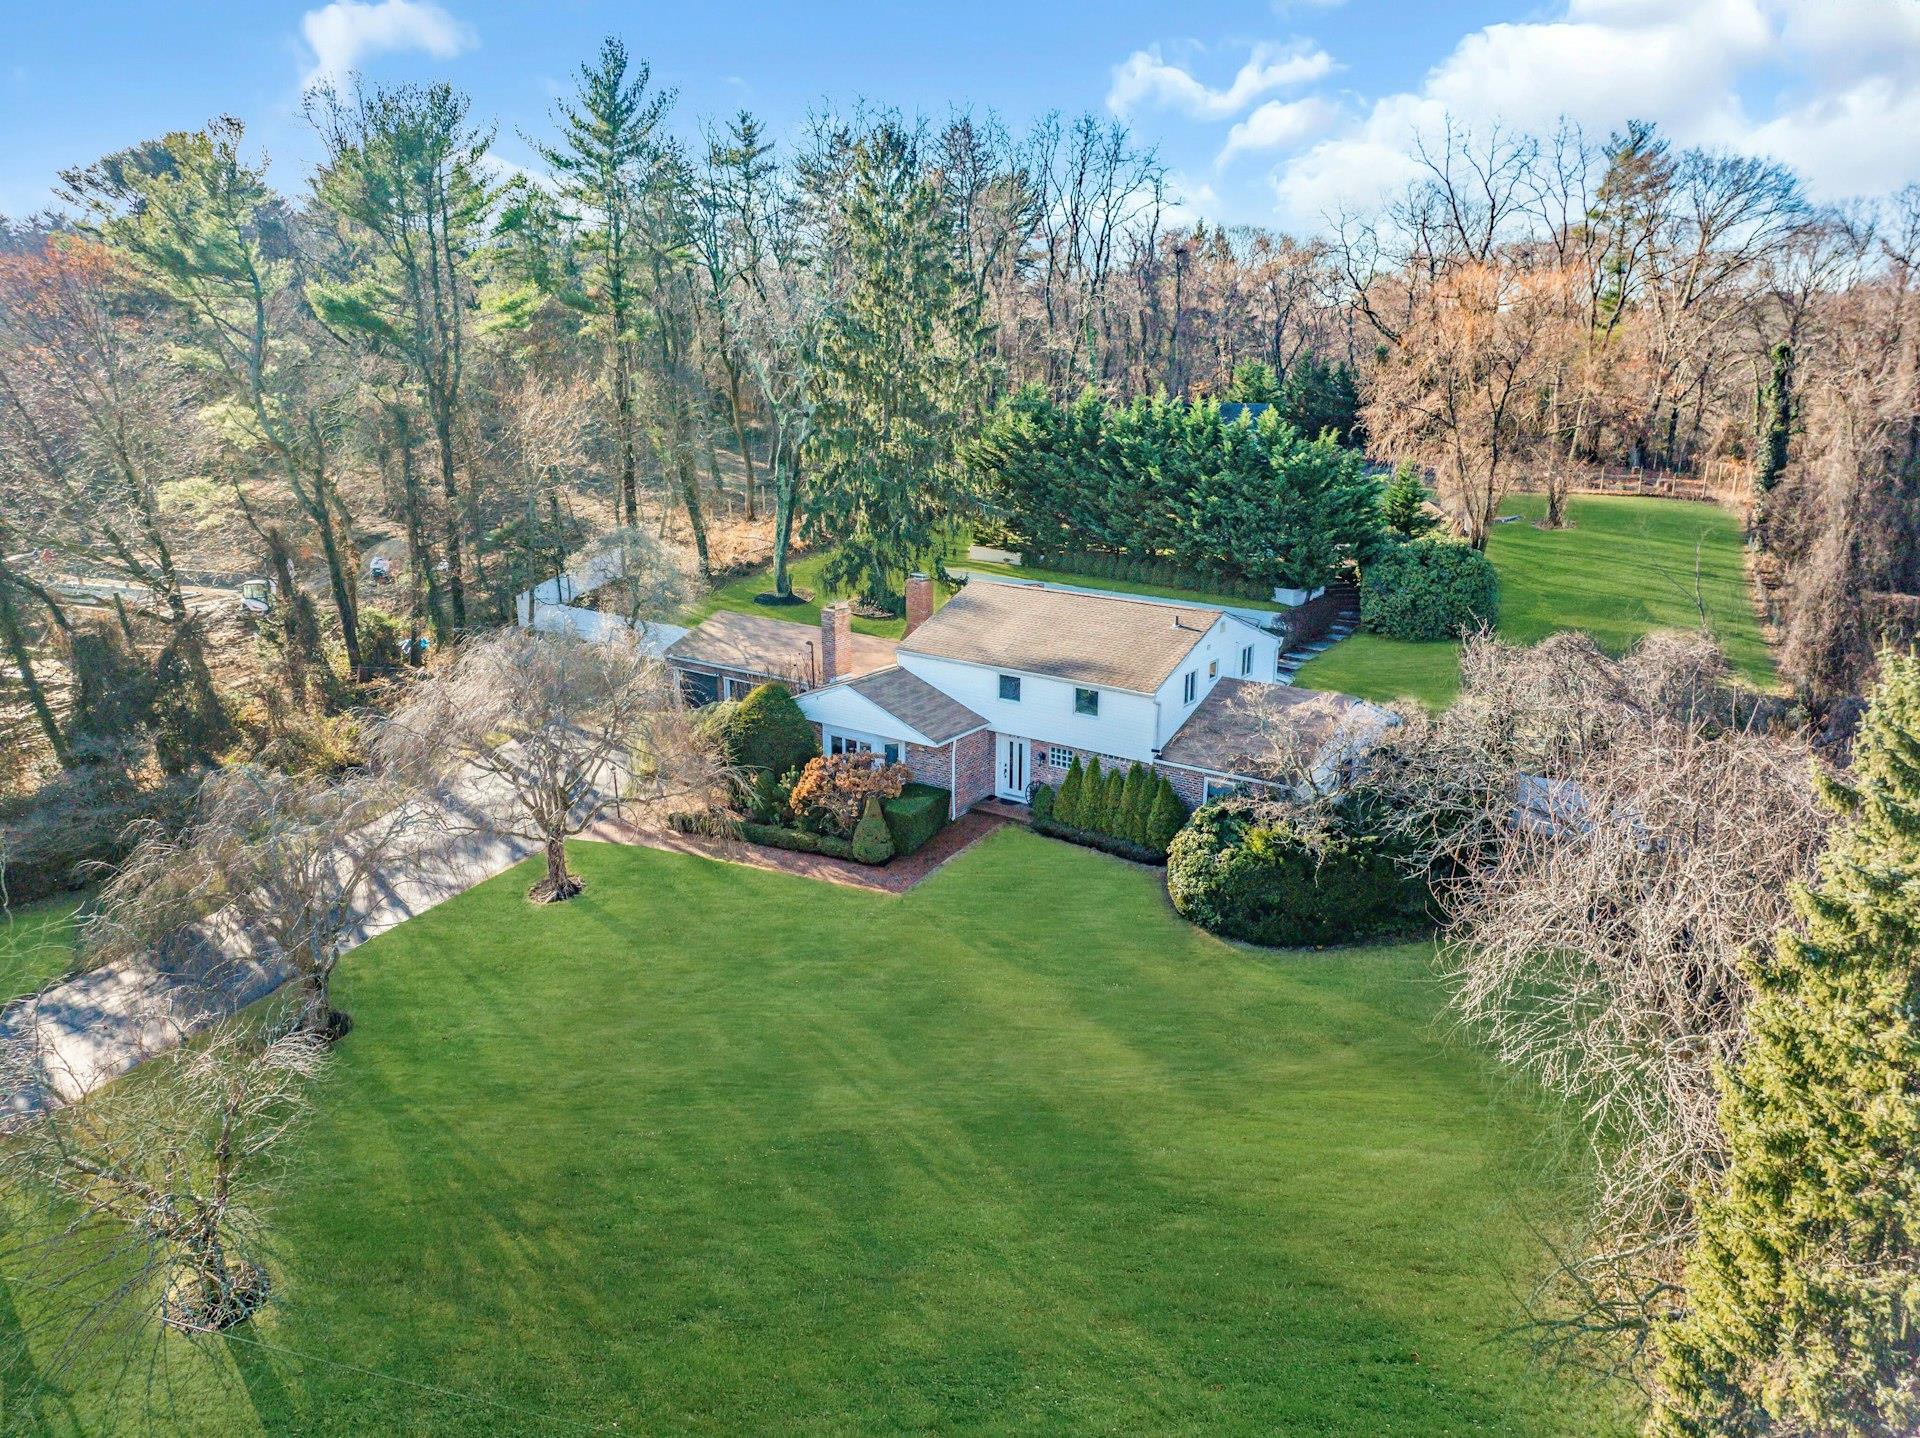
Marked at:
<point>1624,567</point>
<point>36,945</point>
<point>737,593</point>
<point>714,1150</point>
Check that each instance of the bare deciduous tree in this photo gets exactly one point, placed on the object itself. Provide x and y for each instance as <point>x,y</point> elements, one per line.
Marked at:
<point>273,868</point>
<point>547,734</point>
<point>1612,849</point>
<point>149,1201</point>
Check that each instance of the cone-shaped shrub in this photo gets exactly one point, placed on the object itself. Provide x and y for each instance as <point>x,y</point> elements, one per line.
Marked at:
<point>1113,808</point>
<point>1802,1310</point>
<point>1166,817</point>
<point>1066,803</point>
<point>1088,812</point>
<point>1135,801</point>
<point>872,840</point>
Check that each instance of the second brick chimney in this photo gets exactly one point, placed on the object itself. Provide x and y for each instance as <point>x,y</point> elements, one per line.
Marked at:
<point>919,601</point>
<point>836,641</point>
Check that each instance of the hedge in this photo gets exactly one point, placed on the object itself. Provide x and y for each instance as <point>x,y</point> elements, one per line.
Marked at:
<point>916,815</point>
<point>1246,869</point>
<point>1138,809</point>
<point>1106,843</point>
<point>779,836</point>
<point>1429,589</point>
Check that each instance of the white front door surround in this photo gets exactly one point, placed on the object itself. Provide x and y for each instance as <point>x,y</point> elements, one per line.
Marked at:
<point>1010,768</point>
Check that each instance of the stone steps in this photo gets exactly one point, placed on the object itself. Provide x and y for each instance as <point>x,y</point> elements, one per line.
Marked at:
<point>1341,628</point>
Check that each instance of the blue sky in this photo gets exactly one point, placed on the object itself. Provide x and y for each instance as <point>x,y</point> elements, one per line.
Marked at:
<point>1269,111</point>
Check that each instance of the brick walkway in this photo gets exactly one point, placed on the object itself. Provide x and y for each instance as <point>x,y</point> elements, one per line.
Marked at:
<point>893,878</point>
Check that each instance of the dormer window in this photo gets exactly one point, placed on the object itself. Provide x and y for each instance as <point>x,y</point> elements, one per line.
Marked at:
<point>1010,688</point>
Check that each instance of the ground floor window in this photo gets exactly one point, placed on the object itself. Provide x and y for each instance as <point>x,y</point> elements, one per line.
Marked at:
<point>1220,789</point>
<point>739,688</point>
<point>1059,757</point>
<point>847,744</point>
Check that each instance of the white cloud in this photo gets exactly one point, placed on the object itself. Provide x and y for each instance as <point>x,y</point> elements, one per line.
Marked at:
<point>1147,77</point>
<point>1828,87</point>
<point>346,32</point>
<point>1280,125</point>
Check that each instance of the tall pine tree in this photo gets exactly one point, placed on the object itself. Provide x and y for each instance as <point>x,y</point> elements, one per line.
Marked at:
<point>894,373</point>
<point>1803,1293</point>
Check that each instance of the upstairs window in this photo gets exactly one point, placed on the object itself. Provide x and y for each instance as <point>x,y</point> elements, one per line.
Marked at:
<point>1010,688</point>
<point>1213,669</point>
<point>1190,686</point>
<point>1246,660</point>
<point>1086,701</point>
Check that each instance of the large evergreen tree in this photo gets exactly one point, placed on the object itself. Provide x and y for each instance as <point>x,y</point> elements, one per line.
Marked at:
<point>600,169</point>
<point>1803,1294</point>
<point>894,373</point>
<point>405,179</point>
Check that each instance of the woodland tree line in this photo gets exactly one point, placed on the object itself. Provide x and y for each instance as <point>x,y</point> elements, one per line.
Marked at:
<point>751,346</point>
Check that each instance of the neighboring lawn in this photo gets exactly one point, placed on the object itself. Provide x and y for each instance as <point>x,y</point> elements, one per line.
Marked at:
<point>36,945</point>
<point>738,594</point>
<point>713,1150</point>
<point>1624,567</point>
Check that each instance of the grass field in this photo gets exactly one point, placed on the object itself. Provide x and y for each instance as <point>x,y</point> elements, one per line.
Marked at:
<point>714,1150</point>
<point>1624,566</point>
<point>737,593</point>
<point>36,945</point>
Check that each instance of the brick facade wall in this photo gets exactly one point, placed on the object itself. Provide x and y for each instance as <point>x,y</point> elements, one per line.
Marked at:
<point>973,764</point>
<point>1190,786</point>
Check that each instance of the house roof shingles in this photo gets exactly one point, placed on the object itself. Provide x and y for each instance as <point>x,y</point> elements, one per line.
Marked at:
<point>1087,638</point>
<point>917,704</point>
<point>775,648</point>
<point>1237,727</point>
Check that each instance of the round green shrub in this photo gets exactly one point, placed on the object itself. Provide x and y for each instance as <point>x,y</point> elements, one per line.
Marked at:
<point>872,841</point>
<point>767,731</point>
<point>1429,589</point>
<point>1247,869</point>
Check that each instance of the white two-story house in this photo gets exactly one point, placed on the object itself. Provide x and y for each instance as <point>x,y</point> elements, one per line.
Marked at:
<point>1008,682</point>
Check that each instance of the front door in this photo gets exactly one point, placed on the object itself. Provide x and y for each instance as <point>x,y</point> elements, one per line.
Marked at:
<point>1011,774</point>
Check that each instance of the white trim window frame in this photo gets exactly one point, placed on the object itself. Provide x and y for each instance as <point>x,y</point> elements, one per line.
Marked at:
<point>1059,755</point>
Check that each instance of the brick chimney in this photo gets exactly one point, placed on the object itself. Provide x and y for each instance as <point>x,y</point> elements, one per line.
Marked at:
<point>836,641</point>
<point>919,601</point>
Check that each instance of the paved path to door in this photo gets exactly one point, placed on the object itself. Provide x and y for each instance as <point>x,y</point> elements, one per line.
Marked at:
<point>59,1044</point>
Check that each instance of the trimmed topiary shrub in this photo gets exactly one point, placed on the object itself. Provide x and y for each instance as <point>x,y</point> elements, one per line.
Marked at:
<point>1250,869</point>
<point>768,731</point>
<point>915,815</point>
<point>872,844</point>
<point>1429,589</point>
